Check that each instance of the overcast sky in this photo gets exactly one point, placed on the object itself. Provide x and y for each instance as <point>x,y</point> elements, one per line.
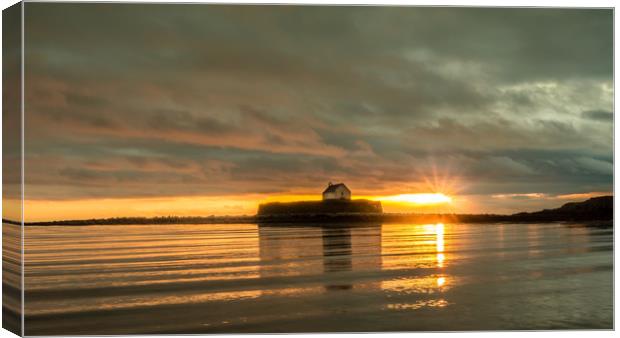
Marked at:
<point>509,108</point>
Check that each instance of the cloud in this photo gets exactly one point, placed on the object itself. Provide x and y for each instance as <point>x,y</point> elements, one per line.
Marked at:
<point>599,115</point>
<point>521,196</point>
<point>185,100</point>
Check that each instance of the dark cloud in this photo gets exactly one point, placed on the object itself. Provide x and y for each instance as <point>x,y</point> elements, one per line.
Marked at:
<point>169,100</point>
<point>74,99</point>
<point>599,115</point>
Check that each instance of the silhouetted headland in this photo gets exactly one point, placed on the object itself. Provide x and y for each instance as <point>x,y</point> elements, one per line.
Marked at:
<point>597,209</point>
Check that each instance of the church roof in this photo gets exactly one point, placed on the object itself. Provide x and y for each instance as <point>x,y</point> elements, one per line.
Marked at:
<point>333,187</point>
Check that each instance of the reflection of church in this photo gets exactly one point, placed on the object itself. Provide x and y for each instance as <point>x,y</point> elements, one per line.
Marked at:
<point>316,250</point>
<point>337,253</point>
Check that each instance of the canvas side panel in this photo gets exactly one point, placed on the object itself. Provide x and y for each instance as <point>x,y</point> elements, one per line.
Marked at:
<point>12,169</point>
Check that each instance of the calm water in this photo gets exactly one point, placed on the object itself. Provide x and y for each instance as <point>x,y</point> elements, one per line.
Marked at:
<point>251,278</point>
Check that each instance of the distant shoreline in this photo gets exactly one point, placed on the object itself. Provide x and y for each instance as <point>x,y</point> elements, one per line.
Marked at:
<point>597,209</point>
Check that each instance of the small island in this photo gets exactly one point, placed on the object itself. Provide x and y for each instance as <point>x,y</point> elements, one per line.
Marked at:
<point>336,200</point>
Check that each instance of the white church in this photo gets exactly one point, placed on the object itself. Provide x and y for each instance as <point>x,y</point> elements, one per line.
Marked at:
<point>336,192</point>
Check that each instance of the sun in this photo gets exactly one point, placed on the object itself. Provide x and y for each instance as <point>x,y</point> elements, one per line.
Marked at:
<point>420,199</point>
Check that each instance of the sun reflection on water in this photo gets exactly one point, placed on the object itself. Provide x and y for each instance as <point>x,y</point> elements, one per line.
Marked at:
<point>418,305</point>
<point>439,243</point>
<point>413,249</point>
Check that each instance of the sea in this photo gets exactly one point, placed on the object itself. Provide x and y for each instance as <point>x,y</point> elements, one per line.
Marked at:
<point>298,278</point>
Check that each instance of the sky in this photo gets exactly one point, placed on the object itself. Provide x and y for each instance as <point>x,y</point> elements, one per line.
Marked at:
<point>135,109</point>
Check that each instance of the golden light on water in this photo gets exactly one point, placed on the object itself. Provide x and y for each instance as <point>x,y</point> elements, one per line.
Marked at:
<point>439,229</point>
<point>420,199</point>
<point>440,258</point>
<point>439,243</point>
